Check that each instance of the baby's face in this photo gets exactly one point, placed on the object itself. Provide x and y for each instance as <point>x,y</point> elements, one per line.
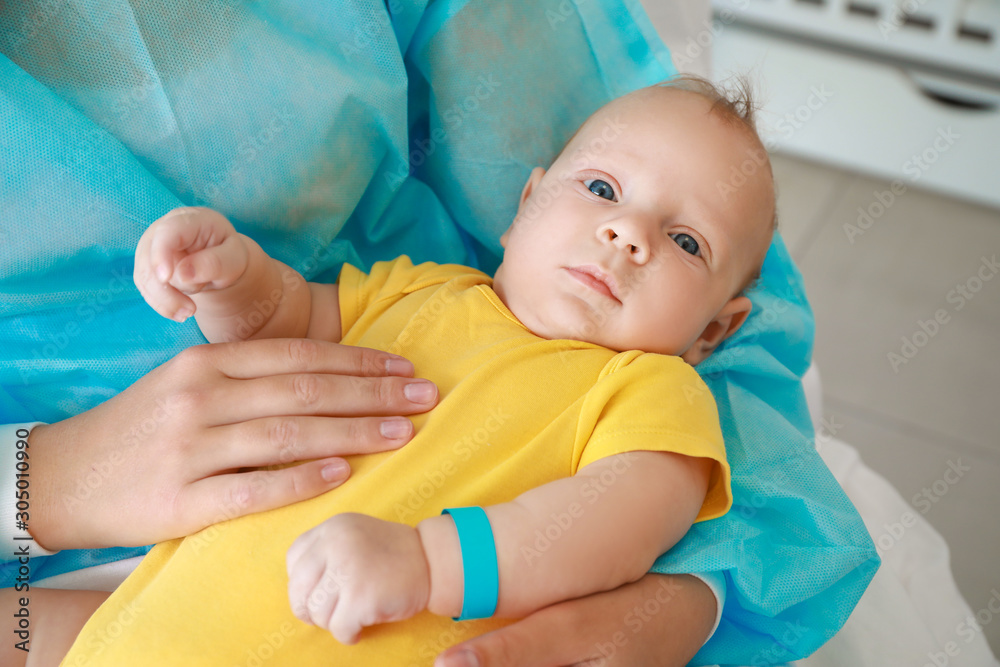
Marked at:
<point>637,237</point>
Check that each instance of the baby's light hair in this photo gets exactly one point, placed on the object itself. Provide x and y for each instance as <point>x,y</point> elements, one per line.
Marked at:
<point>735,103</point>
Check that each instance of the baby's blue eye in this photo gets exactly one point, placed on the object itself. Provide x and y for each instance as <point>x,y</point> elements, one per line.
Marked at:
<point>687,243</point>
<point>601,189</point>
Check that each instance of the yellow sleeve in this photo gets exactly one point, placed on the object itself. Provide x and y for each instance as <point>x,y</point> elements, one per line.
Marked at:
<point>657,403</point>
<point>386,282</point>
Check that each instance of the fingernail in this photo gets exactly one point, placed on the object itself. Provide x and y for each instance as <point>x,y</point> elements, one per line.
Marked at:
<point>398,366</point>
<point>420,392</point>
<point>394,429</point>
<point>334,471</point>
<point>182,314</point>
<point>460,659</point>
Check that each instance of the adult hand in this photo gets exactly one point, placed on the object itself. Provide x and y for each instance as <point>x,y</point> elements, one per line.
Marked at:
<point>163,458</point>
<point>659,620</point>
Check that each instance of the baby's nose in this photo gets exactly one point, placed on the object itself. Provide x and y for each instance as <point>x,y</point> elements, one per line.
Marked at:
<point>627,238</point>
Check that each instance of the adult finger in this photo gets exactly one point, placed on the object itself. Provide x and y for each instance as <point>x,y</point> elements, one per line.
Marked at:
<point>279,356</point>
<point>222,497</point>
<point>547,638</point>
<point>321,394</point>
<point>275,440</point>
<point>671,616</point>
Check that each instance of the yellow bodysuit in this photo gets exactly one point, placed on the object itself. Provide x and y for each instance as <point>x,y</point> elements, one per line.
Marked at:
<point>516,411</point>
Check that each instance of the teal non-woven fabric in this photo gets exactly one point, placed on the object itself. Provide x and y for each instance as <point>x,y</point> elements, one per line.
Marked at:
<point>352,132</point>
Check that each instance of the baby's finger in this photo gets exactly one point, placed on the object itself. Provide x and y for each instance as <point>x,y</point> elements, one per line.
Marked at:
<point>302,580</point>
<point>164,298</point>
<point>300,549</point>
<point>344,625</point>
<point>216,267</point>
<point>324,599</point>
<point>182,231</point>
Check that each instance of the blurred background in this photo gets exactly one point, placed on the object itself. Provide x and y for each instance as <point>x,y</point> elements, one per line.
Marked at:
<point>883,122</point>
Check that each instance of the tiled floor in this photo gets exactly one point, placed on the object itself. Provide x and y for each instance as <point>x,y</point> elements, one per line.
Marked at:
<point>921,267</point>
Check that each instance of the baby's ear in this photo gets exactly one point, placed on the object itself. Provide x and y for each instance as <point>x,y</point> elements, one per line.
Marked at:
<point>726,322</point>
<point>533,178</point>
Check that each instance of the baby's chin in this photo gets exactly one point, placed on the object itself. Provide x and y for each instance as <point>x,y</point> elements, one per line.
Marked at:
<point>585,330</point>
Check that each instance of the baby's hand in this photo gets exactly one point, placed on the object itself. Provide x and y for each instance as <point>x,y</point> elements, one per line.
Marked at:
<point>187,251</point>
<point>353,570</point>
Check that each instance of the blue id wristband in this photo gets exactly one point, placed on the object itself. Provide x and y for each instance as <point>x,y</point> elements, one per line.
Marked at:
<point>479,562</point>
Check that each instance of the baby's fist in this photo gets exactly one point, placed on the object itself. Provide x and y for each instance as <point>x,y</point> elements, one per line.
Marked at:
<point>353,570</point>
<point>187,251</point>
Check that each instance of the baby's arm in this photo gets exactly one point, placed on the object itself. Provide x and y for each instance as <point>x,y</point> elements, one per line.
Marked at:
<point>592,532</point>
<point>562,540</point>
<point>192,260</point>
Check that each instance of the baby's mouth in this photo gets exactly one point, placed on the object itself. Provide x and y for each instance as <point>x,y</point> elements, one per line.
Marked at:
<point>596,279</point>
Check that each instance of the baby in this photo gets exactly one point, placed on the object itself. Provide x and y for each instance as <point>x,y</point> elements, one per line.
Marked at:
<point>569,407</point>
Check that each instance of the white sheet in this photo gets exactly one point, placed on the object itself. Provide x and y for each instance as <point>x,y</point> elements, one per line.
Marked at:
<point>912,613</point>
